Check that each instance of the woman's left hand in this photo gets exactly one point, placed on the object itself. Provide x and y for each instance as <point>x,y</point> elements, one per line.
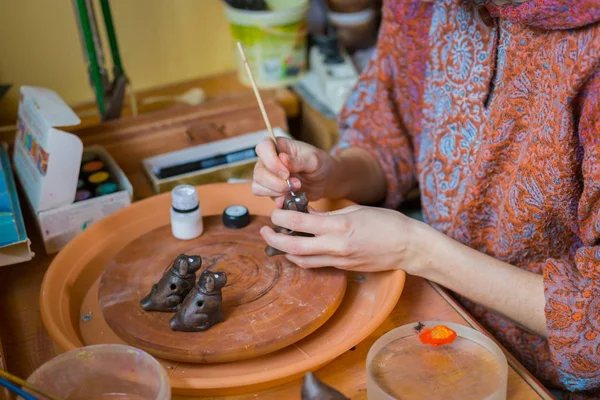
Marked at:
<point>373,239</point>
<point>354,238</point>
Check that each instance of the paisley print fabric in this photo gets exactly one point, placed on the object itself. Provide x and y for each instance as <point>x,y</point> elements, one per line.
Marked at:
<point>499,123</point>
<point>553,14</point>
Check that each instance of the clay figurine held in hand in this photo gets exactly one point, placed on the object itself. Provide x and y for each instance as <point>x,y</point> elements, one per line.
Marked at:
<point>203,306</point>
<point>355,238</point>
<point>297,203</point>
<point>173,286</point>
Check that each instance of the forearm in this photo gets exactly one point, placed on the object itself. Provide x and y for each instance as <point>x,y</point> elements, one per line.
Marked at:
<point>357,176</point>
<point>508,290</point>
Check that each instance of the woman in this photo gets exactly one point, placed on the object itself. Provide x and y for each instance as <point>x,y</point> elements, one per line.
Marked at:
<point>493,109</point>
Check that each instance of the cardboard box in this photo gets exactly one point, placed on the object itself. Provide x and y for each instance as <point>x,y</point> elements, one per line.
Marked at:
<point>14,243</point>
<point>222,173</point>
<point>47,162</point>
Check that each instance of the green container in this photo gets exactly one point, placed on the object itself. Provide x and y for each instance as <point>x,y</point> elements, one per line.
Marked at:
<point>274,43</point>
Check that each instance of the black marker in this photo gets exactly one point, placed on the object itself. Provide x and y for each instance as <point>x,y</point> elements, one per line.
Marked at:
<point>205,163</point>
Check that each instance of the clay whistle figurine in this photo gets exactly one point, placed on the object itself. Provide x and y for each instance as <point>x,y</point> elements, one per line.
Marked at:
<point>292,203</point>
<point>173,286</point>
<point>296,203</point>
<point>203,306</point>
<point>314,389</point>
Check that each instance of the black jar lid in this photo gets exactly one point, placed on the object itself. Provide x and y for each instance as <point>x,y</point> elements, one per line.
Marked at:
<point>236,217</point>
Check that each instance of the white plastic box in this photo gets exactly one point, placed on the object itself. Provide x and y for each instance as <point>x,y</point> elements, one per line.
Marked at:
<point>47,162</point>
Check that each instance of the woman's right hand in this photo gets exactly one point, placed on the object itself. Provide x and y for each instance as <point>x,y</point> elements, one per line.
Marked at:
<point>308,168</point>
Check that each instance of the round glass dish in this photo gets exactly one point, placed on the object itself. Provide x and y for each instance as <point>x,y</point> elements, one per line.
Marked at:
<point>103,372</point>
<point>400,367</point>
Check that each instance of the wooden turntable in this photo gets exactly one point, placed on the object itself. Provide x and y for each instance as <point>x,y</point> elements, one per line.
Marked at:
<point>281,320</point>
<point>269,302</point>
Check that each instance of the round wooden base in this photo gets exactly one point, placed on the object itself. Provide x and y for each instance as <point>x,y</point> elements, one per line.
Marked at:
<point>269,303</point>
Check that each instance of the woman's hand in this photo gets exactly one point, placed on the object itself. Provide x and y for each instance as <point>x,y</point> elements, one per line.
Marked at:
<point>355,238</point>
<point>374,239</point>
<point>312,169</point>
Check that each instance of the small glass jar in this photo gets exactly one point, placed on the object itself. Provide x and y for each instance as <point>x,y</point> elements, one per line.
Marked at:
<point>186,215</point>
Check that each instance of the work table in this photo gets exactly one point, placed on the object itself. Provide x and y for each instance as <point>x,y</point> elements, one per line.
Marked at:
<point>26,344</point>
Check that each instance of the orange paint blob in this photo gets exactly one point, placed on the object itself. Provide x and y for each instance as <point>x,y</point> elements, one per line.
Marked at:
<point>437,336</point>
<point>93,166</point>
<point>577,316</point>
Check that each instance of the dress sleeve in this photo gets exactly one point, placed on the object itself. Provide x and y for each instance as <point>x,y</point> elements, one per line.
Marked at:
<point>572,289</point>
<point>371,118</point>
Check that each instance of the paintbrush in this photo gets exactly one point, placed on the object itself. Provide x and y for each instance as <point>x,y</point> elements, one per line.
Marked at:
<point>16,390</point>
<point>262,107</point>
<point>15,379</point>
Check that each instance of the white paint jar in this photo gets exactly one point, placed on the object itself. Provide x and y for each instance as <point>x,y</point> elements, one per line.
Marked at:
<point>186,215</point>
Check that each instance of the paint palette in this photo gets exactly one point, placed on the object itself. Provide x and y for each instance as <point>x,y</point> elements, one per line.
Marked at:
<point>95,178</point>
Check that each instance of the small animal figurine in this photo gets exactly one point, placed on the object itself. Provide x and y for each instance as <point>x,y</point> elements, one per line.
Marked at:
<point>173,286</point>
<point>314,389</point>
<point>203,306</point>
<point>296,203</point>
<point>292,203</point>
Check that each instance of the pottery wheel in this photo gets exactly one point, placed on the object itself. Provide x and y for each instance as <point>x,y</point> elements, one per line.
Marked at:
<point>269,303</point>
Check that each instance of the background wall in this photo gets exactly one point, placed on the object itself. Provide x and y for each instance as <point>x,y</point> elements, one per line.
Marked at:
<point>161,42</point>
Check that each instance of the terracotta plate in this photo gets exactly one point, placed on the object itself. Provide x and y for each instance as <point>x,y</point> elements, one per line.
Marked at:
<point>269,303</point>
<point>70,312</point>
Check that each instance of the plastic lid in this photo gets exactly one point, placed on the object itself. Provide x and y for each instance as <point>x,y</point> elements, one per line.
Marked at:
<point>236,217</point>
<point>184,198</point>
<point>288,15</point>
<point>351,19</point>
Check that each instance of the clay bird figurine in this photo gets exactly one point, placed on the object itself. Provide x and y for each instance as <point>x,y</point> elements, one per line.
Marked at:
<point>293,203</point>
<point>314,389</point>
<point>173,286</point>
<point>203,306</point>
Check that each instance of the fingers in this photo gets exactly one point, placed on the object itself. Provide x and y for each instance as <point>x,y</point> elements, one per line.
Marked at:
<point>319,261</point>
<point>298,156</point>
<point>306,161</point>
<point>264,183</point>
<point>309,223</point>
<point>278,201</point>
<point>267,153</point>
<point>286,145</point>
<point>341,211</point>
<point>259,190</point>
<point>300,245</point>
<point>266,179</point>
<point>293,155</point>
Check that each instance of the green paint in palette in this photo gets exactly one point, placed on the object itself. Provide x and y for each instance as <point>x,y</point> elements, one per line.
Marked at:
<point>106,188</point>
